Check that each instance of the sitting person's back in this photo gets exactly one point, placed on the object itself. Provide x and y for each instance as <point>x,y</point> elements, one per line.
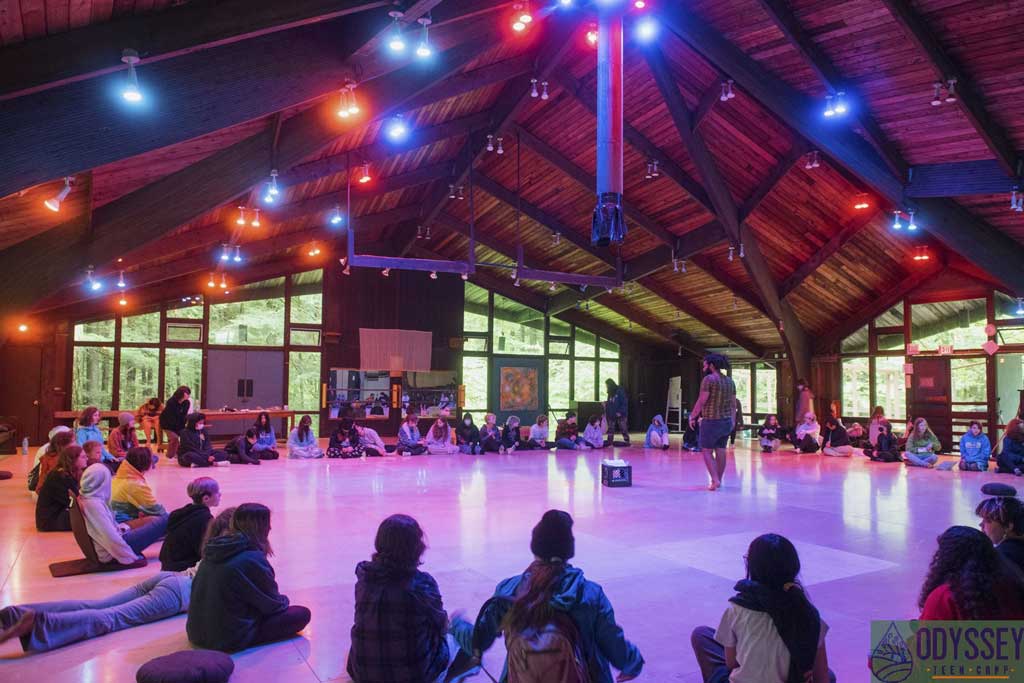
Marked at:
<point>398,635</point>
<point>186,526</point>
<point>130,495</point>
<point>53,507</point>
<point>94,501</point>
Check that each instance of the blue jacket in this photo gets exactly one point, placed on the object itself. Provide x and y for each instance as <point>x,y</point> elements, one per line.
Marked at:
<point>408,435</point>
<point>601,639</point>
<point>658,429</point>
<point>617,404</point>
<point>975,449</point>
<point>265,441</point>
<point>93,433</point>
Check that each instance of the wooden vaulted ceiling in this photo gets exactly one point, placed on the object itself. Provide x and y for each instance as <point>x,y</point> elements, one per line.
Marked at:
<point>165,187</point>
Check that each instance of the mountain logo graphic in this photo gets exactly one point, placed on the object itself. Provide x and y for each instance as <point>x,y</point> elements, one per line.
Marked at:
<point>891,661</point>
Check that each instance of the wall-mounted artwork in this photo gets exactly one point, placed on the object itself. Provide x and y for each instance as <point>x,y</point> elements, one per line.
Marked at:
<point>519,389</point>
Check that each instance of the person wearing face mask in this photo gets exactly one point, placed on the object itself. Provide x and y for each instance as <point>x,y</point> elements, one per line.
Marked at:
<point>468,436</point>
<point>195,448</point>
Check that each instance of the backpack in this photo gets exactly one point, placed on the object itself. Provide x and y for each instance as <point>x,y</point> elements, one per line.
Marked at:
<point>550,654</point>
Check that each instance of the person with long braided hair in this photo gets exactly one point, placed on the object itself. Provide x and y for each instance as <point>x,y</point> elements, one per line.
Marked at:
<point>969,580</point>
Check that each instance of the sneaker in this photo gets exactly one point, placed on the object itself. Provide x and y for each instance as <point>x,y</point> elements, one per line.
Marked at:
<point>222,463</point>
<point>767,449</point>
<point>501,450</point>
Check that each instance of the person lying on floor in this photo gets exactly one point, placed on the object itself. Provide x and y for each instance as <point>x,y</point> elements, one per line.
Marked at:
<point>657,434</point>
<point>195,448</point>
<point>241,449</point>
<point>53,506</point>
<point>235,601</point>
<point>131,498</point>
<point>113,542</point>
<point>187,525</point>
<point>975,449</point>
<point>49,625</point>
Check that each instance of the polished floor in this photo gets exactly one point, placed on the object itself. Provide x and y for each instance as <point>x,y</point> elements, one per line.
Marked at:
<point>666,551</point>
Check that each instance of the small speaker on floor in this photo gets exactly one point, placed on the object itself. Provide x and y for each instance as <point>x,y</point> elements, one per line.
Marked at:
<point>616,473</point>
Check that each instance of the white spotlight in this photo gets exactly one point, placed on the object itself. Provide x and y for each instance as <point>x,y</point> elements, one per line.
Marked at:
<point>131,92</point>
<point>120,280</point>
<point>238,254</point>
<point>423,50</point>
<point>54,202</point>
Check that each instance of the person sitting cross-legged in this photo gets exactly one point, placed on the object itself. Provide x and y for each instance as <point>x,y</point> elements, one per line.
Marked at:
<point>834,440</point>
<point>195,448</point>
<point>657,434</point>
<point>186,525</point>
<point>975,449</point>
<point>131,498</point>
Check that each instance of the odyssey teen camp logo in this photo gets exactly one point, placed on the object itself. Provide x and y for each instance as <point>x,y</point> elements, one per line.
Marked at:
<point>919,651</point>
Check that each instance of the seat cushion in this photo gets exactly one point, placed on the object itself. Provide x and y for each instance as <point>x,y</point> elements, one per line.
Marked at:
<point>4,474</point>
<point>994,488</point>
<point>187,666</point>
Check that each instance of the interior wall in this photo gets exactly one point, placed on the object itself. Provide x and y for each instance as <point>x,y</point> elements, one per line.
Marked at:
<point>49,387</point>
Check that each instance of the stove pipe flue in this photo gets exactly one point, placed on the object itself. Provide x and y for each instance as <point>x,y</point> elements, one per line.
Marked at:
<point>608,225</point>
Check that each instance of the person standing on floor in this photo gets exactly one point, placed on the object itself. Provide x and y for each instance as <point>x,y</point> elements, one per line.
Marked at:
<point>616,410</point>
<point>173,417</point>
<point>804,400</point>
<point>716,404</point>
<point>235,600</point>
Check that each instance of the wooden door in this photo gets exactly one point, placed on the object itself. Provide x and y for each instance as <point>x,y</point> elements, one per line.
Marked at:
<point>931,397</point>
<point>22,389</point>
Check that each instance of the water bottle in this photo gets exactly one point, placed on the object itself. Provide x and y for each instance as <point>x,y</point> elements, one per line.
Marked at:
<point>24,446</point>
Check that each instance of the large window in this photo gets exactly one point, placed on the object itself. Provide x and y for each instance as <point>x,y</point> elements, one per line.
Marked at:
<point>960,324</point>
<point>517,330</point>
<point>856,387</point>
<point>767,388</point>
<point>475,377</point>
<point>183,367</point>
<point>304,385</point>
<point>584,387</point>
<point>890,386</point>
<point>140,375</point>
<point>741,378</point>
<point>254,318</point>
<point>93,381</point>
<point>559,393</point>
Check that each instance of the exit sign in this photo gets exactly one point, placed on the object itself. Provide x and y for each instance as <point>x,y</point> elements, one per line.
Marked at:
<point>945,349</point>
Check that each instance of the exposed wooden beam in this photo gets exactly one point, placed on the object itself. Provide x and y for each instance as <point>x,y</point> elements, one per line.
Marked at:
<point>945,68</point>
<point>946,220</point>
<point>737,288</point>
<point>787,162</point>
<point>834,244</point>
<point>664,330</point>
<point>58,257</point>
<point>728,213</point>
<point>960,179</point>
<point>786,21</point>
<point>708,100</point>
<point>93,51</point>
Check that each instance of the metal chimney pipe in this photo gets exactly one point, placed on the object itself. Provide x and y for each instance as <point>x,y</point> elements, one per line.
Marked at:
<point>608,225</point>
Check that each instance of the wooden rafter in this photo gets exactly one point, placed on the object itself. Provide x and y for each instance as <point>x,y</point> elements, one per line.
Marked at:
<point>737,288</point>
<point>766,186</point>
<point>834,244</point>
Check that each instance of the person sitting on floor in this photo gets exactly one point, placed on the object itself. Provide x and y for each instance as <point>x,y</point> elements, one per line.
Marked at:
<point>344,442</point>
<point>439,439</point>
<point>49,625</point>
<point>1011,452</point>
<point>877,425</point>
<point>593,435</point>
<point>922,445</point>
<point>552,595</point>
<point>969,581</point>
<point>975,449</point>
<point>266,441</point>
<point>186,526</point>
<point>240,449</point>
<point>53,506</point>
<point>834,440</point>
<point>770,434</point>
<point>48,447</point>
<point>94,454</point>
<point>410,442</point>
<point>400,630</point>
<point>657,434</point>
<point>770,633</point>
<point>490,434</point>
<point>123,437</point>
<point>539,434</point>
<point>235,600</point>
<point>691,435</point>
<point>511,437</point>
<point>302,442</point>
<point>48,461</point>
<point>131,498</point>
<point>370,441</point>
<point>148,417</point>
<point>195,448</point>
<point>113,542</point>
<point>1002,520</point>
<point>468,436</point>
<point>88,430</point>
<point>807,434</point>
<point>886,448</point>
<point>567,433</point>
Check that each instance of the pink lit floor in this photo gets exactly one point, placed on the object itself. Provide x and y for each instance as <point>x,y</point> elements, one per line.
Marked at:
<point>666,551</point>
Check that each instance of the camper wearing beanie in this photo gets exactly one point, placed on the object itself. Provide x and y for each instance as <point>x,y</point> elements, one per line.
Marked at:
<point>123,438</point>
<point>548,591</point>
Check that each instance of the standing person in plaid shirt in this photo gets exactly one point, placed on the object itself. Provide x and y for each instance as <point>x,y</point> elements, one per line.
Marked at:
<point>401,631</point>
<point>717,405</point>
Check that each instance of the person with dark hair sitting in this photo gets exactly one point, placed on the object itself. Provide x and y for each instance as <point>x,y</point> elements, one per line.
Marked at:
<point>468,436</point>
<point>834,440</point>
<point>567,433</point>
<point>1002,520</point>
<point>266,440</point>
<point>552,596</point>
<point>969,581</point>
<point>1011,450</point>
<point>53,506</point>
<point>886,448</point>
<point>235,601</point>
<point>131,498</point>
<point>975,449</point>
<point>185,526</point>
<point>241,449</point>
<point>195,448</point>
<point>770,434</point>
<point>400,631</point>
<point>770,633</point>
<point>344,441</point>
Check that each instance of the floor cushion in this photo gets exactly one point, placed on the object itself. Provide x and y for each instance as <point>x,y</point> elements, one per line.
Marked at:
<point>994,488</point>
<point>187,666</point>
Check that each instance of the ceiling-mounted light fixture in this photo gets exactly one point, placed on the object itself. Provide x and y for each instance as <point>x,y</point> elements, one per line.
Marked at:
<point>544,90</point>
<point>742,254</point>
<point>592,35</point>
<point>937,95</point>
<point>951,90</point>
<point>54,202</point>
<point>460,195</point>
<point>433,275</point>
<point>211,282</point>
<point>841,106</point>
<point>423,50</point>
<point>451,190</point>
<point>551,288</point>
<point>732,253</point>
<point>386,272</point>
<point>223,281</point>
<point>490,143</point>
<point>241,216</point>
<point>830,109</point>
<point>255,219</point>
<point>727,92</point>
<point>522,17</point>
<point>533,88</point>
<point>120,280</point>
<point>646,30</point>
<point>419,232</point>
<point>396,43</point>
<point>90,281</point>
<point>465,276</point>
<point>335,218</point>
<point>224,256</point>
<point>122,301</point>
<point>22,327</point>
<point>911,225</point>
<point>426,235</point>
<point>896,225</point>
<point>556,238</point>
<point>860,202</point>
<point>238,254</point>
<point>397,129</point>
<point>131,92</point>
<point>270,196</point>
<point>500,150</point>
<point>364,174</point>
<point>314,250</point>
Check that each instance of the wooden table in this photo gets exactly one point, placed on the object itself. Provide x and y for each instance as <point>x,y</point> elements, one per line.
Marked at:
<point>211,415</point>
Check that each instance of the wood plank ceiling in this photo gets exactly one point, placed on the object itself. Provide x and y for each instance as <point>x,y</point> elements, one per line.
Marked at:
<point>828,261</point>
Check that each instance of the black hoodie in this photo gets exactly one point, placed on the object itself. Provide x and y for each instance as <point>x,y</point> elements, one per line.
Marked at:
<point>182,545</point>
<point>233,591</point>
<point>468,433</point>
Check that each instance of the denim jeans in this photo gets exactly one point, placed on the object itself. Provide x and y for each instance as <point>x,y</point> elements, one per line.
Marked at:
<point>921,460</point>
<point>62,623</point>
<point>146,535</point>
<point>568,443</point>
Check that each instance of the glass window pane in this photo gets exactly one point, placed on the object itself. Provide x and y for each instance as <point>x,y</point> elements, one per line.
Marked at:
<point>515,333</point>
<point>475,344</point>
<point>140,377</point>
<point>969,383</point>
<point>890,387</point>
<point>584,386</point>
<point>97,331</point>
<point>256,319</point>
<point>143,328</point>
<point>767,400</point>
<point>890,342</point>
<point>856,388</point>
<point>305,337</point>
<point>307,308</point>
<point>474,376</point>
<point>1010,335</point>
<point>607,369</point>
<point>957,323</point>
<point>1009,380</point>
<point>185,309</point>
<point>609,349</point>
<point>183,367</point>
<point>475,313</point>
<point>892,317</point>
<point>304,380</point>
<point>856,342</point>
<point>92,383</point>
<point>741,377</point>
<point>558,384</point>
<point>585,344</point>
<point>184,332</point>
<point>559,328</point>
<point>558,348</point>
<point>1007,307</point>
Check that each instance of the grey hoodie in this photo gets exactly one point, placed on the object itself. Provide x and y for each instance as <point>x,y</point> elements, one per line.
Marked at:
<point>99,518</point>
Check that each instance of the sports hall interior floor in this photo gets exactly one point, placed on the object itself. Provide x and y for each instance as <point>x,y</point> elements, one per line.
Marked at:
<point>666,551</point>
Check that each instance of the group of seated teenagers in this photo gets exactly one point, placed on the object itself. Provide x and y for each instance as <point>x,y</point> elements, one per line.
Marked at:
<point>216,570</point>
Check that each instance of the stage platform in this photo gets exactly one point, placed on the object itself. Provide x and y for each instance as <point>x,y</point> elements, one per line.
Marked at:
<point>666,550</point>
